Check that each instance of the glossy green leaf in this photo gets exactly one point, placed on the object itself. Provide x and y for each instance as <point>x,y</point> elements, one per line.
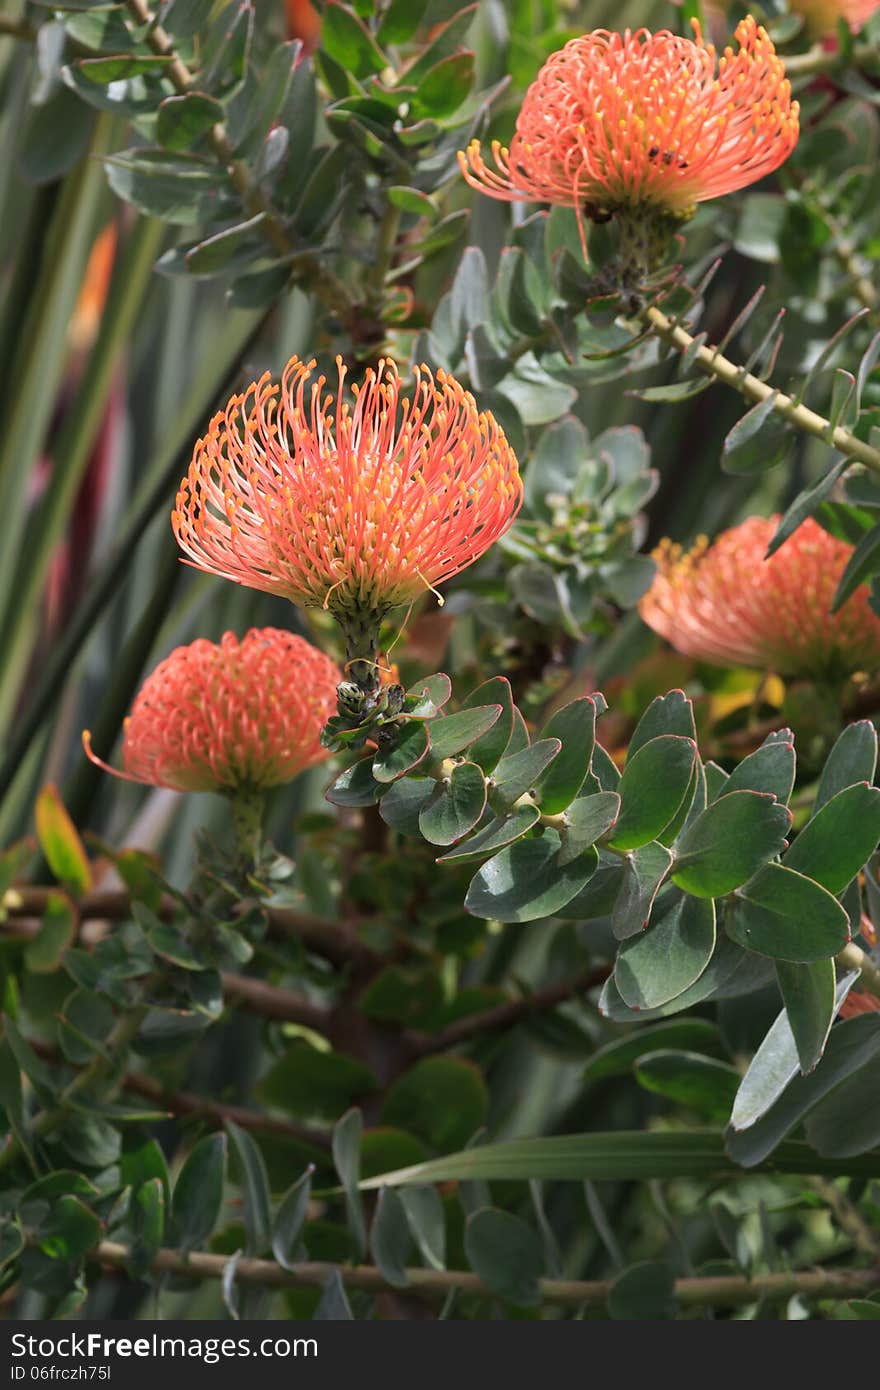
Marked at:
<point>525,881</point>
<point>501,831</point>
<point>409,749</point>
<point>840,838</point>
<point>356,786</point>
<point>852,759</point>
<point>661,963</point>
<point>453,732</point>
<point>728,842</point>
<point>667,714</point>
<point>575,727</point>
<point>454,807</point>
<point>347,1159</point>
<point>148,1226</point>
<point>349,42</point>
<point>442,1100</point>
<point>808,993</point>
<point>621,1156</point>
<point>701,1084</point>
<point>290,1219</point>
<point>60,842</point>
<point>519,773</point>
<point>652,789</point>
<point>198,1192</point>
<point>587,820</point>
<point>644,870</point>
<point>445,87</point>
<point>770,769</point>
<point>782,914</point>
<point>58,927</point>
<point>487,750</point>
<point>428,696</point>
<point>390,1238</point>
<point>402,805</point>
<point>506,1254</point>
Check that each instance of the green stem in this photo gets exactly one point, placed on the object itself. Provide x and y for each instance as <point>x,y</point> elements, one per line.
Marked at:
<point>720,1290</point>
<point>247,828</point>
<point>360,630</point>
<point>821,60</point>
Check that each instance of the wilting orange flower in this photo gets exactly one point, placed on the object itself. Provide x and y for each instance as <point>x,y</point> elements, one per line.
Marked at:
<point>355,509</point>
<point>622,121</point>
<point>724,603</point>
<point>821,16</point>
<point>230,715</point>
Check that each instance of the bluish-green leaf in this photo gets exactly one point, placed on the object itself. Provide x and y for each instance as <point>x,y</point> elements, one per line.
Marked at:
<point>198,1192</point>
<point>729,842</point>
<point>501,831</point>
<point>840,838</point>
<point>661,963</point>
<point>808,995</point>
<point>409,749</point>
<point>453,732</point>
<point>518,773</point>
<point>852,759</point>
<point>290,1219</point>
<point>525,881</point>
<point>652,789</point>
<point>575,727</point>
<point>506,1254</point>
<point>587,820</point>
<point>454,807</point>
<point>782,914</point>
<point>644,870</point>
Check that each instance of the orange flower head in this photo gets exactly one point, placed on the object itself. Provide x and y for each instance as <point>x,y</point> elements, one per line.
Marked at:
<point>228,716</point>
<point>616,122</point>
<point>821,16</point>
<point>858,1002</point>
<point>726,604</point>
<point>353,508</point>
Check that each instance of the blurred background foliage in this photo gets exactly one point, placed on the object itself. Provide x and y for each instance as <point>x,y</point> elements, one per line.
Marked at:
<point>164,240</point>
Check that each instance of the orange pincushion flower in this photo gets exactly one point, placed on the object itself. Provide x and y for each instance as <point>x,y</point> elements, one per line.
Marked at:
<point>230,715</point>
<point>724,603</point>
<point>619,121</point>
<point>355,509</point>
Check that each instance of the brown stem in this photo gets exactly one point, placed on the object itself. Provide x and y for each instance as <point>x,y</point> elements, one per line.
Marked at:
<point>719,1290</point>
<point>504,1015</point>
<point>273,1002</point>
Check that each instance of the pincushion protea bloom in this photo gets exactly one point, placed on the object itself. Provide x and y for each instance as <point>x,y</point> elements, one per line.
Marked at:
<point>639,121</point>
<point>353,508</point>
<point>724,603</point>
<point>230,716</point>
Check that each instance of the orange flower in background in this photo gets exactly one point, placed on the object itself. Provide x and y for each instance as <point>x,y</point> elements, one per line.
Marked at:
<point>219,717</point>
<point>623,121</point>
<point>858,1002</point>
<point>303,22</point>
<point>821,16</point>
<point>353,508</point>
<point>724,603</point>
<point>86,318</point>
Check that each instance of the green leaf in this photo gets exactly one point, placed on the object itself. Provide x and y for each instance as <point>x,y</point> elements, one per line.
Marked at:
<point>519,773</point>
<point>429,695</point>
<point>587,820</point>
<point>487,750</point>
<point>401,995</point>
<point>356,786</point>
<point>119,69</point>
<point>575,727</point>
<point>254,1183</point>
<point>172,187</point>
<point>840,838</point>
<point>290,1219</point>
<point>445,86</point>
<point>348,41</point>
<point>11,1243</point>
<point>728,842</point>
<point>617,1057</point>
<point>390,1239</point>
<point>782,914</point>
<point>308,1083</point>
<point>667,714</point>
<point>347,1159</point>
<point>843,1123</point>
<point>445,40</point>
<point>661,963</point>
<point>401,19</point>
<point>766,1111</point>
<point>525,881</point>
<point>60,842</point>
<point>862,565</point>
<point>453,732</point>
<point>424,1212</point>
<point>808,993</point>
<point>503,830</point>
<point>216,253</point>
<point>506,1254</point>
<point>147,1215</point>
<point>730,972</point>
<point>699,1083</point>
<point>652,788</point>
<point>644,1292</point>
<point>402,805</point>
<point>410,749</point>
<point>198,1192</point>
<point>852,759</point>
<point>770,769</point>
<point>57,932</point>
<point>333,1305</point>
<point>760,440</point>
<point>644,870</point>
<point>619,1156</point>
<point>442,1100</point>
<point>455,806</point>
<point>69,1231</point>
<point>83,1023</point>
